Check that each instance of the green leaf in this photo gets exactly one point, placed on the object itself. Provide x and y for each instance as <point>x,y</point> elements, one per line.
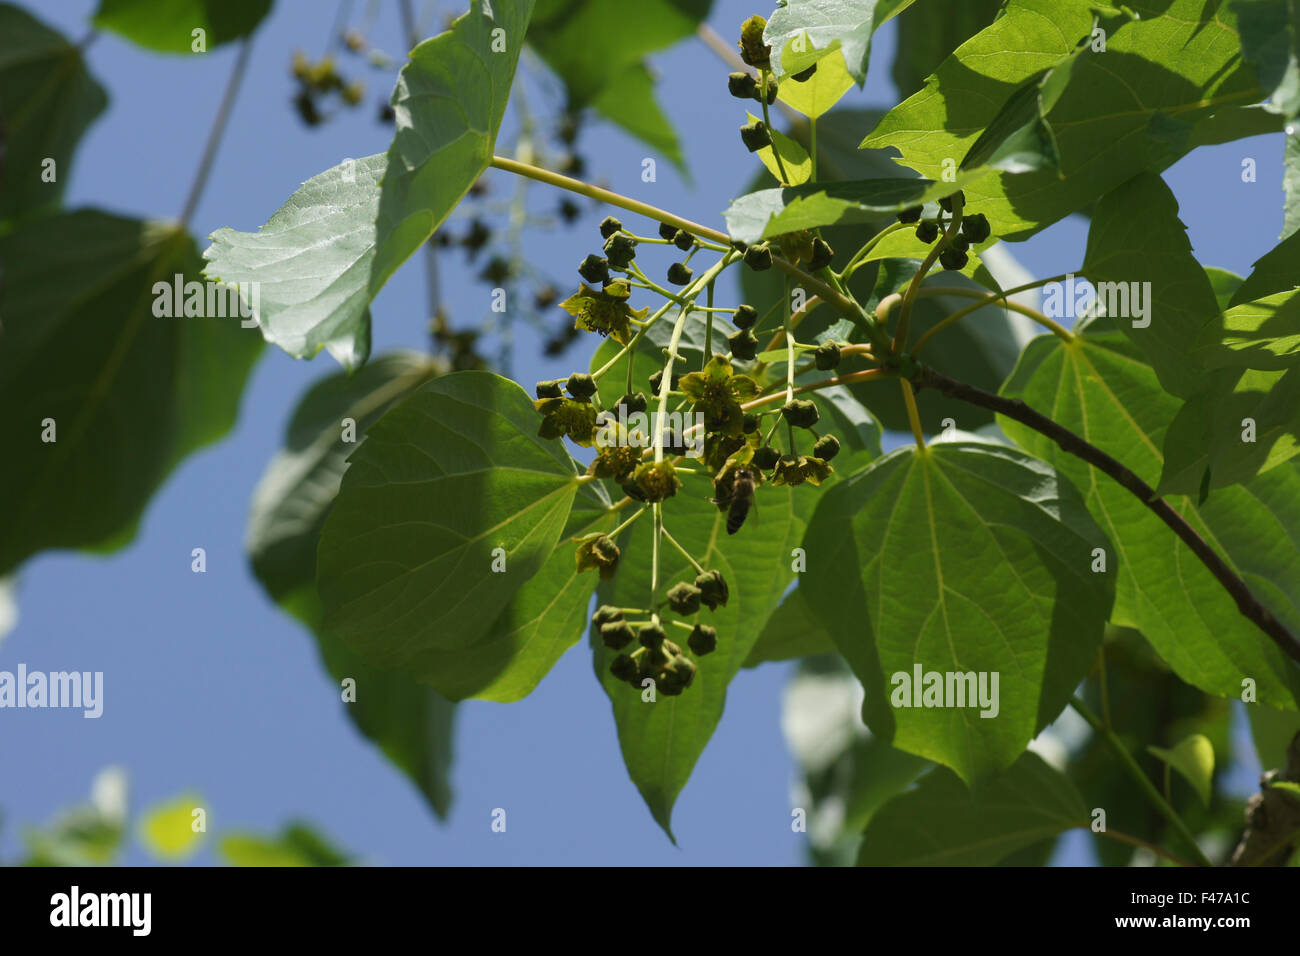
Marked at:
<point>1193,757</point>
<point>297,845</point>
<point>1136,232</point>
<point>798,166</point>
<point>963,558</point>
<point>1272,732</point>
<point>1225,285</point>
<point>1138,105</point>
<point>661,741</point>
<point>942,823</point>
<point>1291,185</point>
<point>1099,387</point>
<point>1278,270</point>
<point>449,101</point>
<point>411,723</point>
<point>92,834</point>
<point>130,393</point>
<point>802,32</point>
<point>628,101</point>
<point>928,34</point>
<point>448,507</point>
<point>771,212</point>
<point>1264,334</point>
<point>312,263</point>
<point>166,25</point>
<point>814,96</point>
<point>167,830</point>
<point>792,631</point>
<point>47,100</point>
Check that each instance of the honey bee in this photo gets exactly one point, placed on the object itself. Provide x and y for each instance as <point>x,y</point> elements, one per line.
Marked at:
<point>740,500</point>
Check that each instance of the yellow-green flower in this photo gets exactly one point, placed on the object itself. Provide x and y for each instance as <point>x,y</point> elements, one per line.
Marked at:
<point>567,416</point>
<point>615,461</point>
<point>795,471</point>
<point>657,481</point>
<point>604,312</point>
<point>717,391</point>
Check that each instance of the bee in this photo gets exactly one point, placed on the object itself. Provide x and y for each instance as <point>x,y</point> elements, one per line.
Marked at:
<point>740,500</point>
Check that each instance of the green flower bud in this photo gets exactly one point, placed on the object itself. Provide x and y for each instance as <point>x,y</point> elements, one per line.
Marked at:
<point>679,273</point>
<point>742,85</point>
<point>667,232</point>
<point>633,403</point>
<point>960,243</point>
<point>753,50</point>
<point>744,344</point>
<point>745,317</point>
<point>620,250</point>
<point>952,259</point>
<point>683,240</point>
<point>594,269</point>
<point>581,386</point>
<point>827,447</point>
<point>605,614</point>
<point>684,598</point>
<point>749,424</point>
<point>910,214</point>
<point>624,668</point>
<point>755,136</point>
<point>976,227</point>
<point>713,589</point>
<point>927,231</point>
<point>802,413</point>
<point>608,226</point>
<point>651,636</point>
<point>657,481</point>
<point>947,201</point>
<point>703,640</point>
<point>827,356</point>
<point>822,254</point>
<point>682,668</point>
<point>759,257</point>
<point>769,91</point>
<point>550,389</point>
<point>616,634</point>
<point>657,378</point>
<point>766,457</point>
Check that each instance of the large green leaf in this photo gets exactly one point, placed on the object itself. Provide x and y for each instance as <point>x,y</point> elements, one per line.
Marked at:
<point>1270,40</point>
<point>792,631</point>
<point>298,844</point>
<point>448,507</point>
<point>942,823</point>
<point>166,25</point>
<point>1099,387</point>
<point>929,32</point>
<point>1264,334</point>
<point>326,253</point>
<point>130,392</point>
<point>448,105</point>
<point>412,724</point>
<point>1138,105</point>
<point>661,741</point>
<point>802,32</point>
<point>771,212</point>
<point>960,558</point>
<point>1136,232</point>
<point>47,100</point>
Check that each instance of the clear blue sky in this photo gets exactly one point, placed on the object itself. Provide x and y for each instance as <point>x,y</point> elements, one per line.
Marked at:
<point>210,688</point>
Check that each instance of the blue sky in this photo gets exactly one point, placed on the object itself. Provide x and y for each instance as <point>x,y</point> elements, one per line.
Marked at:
<point>210,688</point>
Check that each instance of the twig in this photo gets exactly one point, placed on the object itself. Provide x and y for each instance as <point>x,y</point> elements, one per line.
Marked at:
<point>217,131</point>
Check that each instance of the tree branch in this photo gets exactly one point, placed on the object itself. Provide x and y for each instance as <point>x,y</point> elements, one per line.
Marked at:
<point>1015,409</point>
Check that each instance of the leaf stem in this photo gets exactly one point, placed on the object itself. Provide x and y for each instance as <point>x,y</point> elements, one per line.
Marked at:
<point>1122,837</point>
<point>767,122</point>
<point>708,327</point>
<point>1147,787</point>
<point>913,416</point>
<point>686,554</point>
<point>1055,327</point>
<point>860,256</point>
<point>218,130</point>
<point>621,528</point>
<point>1247,603</point>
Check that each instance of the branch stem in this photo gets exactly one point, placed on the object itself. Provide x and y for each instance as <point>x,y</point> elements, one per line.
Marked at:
<point>218,130</point>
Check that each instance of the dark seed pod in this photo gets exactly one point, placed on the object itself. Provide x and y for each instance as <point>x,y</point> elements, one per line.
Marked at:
<point>683,240</point>
<point>616,634</point>
<point>581,386</point>
<point>679,273</point>
<point>947,201</point>
<point>667,232</point>
<point>742,86</point>
<point>594,269</point>
<point>634,403</point>
<point>976,227</point>
<point>827,356</point>
<point>669,684</point>
<point>745,317</point>
<point>911,214</point>
<point>550,389</point>
<point>927,231</point>
<point>960,243</point>
<point>827,447</point>
<point>624,668</point>
<point>739,245</point>
<point>703,640</point>
<point>769,91</point>
<point>803,76</point>
<point>802,413</point>
<point>684,598</point>
<point>952,259</point>
<point>651,636</point>
<point>766,457</point>
<point>759,257</point>
<point>749,424</point>
<point>713,589</point>
<point>620,250</point>
<point>744,345</point>
<point>822,254</point>
<point>605,614</point>
<point>608,226</point>
<point>755,136</point>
